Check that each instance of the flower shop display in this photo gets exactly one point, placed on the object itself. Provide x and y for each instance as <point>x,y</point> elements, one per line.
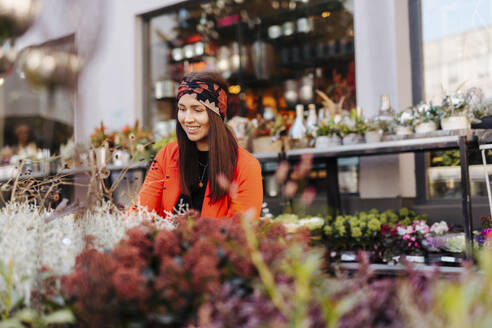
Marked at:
<point>266,135</point>
<point>388,235</point>
<point>327,134</point>
<point>455,112</point>
<point>130,144</point>
<point>103,267</point>
<point>404,121</point>
<point>352,128</point>
<point>425,115</point>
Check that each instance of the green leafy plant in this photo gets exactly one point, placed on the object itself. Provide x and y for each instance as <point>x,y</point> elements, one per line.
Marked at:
<point>329,128</point>
<point>353,123</point>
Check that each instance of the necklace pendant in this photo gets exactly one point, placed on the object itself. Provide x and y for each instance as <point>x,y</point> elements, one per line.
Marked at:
<point>200,184</point>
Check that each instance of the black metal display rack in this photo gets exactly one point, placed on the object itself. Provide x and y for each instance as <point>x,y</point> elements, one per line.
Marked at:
<point>465,140</point>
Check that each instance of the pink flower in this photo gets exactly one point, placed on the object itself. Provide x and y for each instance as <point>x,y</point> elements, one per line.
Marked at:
<point>281,172</point>
<point>308,195</point>
<point>290,189</point>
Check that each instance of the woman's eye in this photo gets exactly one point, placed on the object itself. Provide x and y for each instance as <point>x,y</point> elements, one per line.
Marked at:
<point>181,108</point>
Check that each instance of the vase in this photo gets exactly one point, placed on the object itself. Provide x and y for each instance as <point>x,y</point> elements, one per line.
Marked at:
<point>404,130</point>
<point>455,122</point>
<point>327,141</point>
<point>373,136</point>
<point>352,139</point>
<point>267,145</point>
<point>426,127</point>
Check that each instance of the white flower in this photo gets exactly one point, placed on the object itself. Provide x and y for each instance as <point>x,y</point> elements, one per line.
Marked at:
<point>422,227</point>
<point>291,227</point>
<point>30,242</point>
<point>457,100</point>
<point>401,231</point>
<point>405,117</point>
<point>439,228</point>
<point>423,108</point>
<point>312,223</point>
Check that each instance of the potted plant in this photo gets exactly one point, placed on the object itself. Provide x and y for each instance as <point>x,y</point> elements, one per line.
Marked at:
<point>374,131</point>
<point>352,128</point>
<point>455,112</point>
<point>404,122</point>
<point>266,135</point>
<point>482,112</point>
<point>327,134</point>
<point>425,117</point>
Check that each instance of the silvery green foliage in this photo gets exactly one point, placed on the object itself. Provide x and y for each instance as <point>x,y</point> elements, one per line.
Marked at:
<point>31,242</point>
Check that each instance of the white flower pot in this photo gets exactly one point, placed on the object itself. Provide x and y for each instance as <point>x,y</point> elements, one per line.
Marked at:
<point>455,122</point>
<point>404,130</point>
<point>373,136</point>
<point>352,139</point>
<point>426,127</point>
<point>327,141</point>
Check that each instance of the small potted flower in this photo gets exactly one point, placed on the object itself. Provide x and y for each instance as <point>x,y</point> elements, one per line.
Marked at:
<point>404,122</point>
<point>425,117</point>
<point>352,128</point>
<point>327,135</point>
<point>455,112</point>
<point>374,131</point>
<point>266,135</point>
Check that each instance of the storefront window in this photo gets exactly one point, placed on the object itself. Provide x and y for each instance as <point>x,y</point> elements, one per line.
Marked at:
<point>457,56</point>
<point>36,121</point>
<point>457,46</point>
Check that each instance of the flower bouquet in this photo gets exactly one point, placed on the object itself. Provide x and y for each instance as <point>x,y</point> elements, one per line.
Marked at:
<point>425,117</point>
<point>266,134</point>
<point>352,127</point>
<point>404,121</point>
<point>455,112</point>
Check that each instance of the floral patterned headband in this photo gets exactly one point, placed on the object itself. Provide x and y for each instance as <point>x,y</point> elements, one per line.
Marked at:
<point>211,95</point>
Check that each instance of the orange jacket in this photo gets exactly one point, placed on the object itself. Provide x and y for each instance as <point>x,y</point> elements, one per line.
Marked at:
<point>161,188</point>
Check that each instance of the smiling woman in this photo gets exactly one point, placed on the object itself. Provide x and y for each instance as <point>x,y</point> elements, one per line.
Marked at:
<point>205,169</point>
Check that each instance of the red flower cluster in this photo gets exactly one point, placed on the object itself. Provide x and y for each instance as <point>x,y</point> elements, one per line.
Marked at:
<point>156,276</point>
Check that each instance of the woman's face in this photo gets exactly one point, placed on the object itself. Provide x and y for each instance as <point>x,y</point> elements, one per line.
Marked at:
<point>193,117</point>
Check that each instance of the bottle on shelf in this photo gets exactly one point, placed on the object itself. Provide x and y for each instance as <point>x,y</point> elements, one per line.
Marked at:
<point>312,119</point>
<point>298,129</point>
<point>385,115</point>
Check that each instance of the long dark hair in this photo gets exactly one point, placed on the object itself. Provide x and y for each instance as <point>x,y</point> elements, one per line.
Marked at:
<point>223,149</point>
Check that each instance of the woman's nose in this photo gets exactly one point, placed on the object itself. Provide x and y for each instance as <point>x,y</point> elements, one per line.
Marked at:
<point>189,116</point>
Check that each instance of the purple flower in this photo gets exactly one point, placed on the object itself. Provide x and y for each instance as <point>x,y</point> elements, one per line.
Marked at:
<point>437,242</point>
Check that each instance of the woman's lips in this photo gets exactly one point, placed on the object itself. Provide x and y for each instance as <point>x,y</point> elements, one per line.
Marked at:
<point>192,129</point>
